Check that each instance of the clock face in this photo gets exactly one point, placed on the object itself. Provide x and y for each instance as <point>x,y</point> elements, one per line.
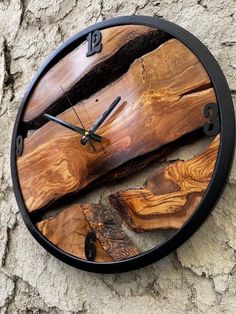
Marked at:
<point>122,144</point>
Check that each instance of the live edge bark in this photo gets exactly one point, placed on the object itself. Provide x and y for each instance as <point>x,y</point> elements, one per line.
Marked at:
<point>70,227</point>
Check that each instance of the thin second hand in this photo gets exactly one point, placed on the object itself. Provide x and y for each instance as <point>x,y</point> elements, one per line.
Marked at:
<point>77,116</point>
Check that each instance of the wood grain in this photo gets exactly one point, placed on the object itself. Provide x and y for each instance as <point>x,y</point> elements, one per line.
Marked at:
<point>135,165</point>
<point>169,196</point>
<point>81,76</point>
<point>68,230</point>
<point>163,96</point>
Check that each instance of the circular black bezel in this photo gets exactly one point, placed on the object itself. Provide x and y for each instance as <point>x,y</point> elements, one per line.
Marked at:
<point>221,171</point>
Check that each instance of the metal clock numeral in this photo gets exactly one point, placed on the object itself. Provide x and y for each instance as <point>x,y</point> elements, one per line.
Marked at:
<point>90,248</point>
<point>94,43</point>
<point>19,145</point>
<point>211,111</point>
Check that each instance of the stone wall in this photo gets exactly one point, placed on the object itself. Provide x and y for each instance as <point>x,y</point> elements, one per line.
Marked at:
<point>200,277</point>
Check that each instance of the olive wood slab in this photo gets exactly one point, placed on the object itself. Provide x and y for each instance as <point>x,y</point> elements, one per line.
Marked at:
<point>169,196</point>
<point>69,228</point>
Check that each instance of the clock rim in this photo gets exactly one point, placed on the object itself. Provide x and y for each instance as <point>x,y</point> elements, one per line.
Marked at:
<point>220,173</point>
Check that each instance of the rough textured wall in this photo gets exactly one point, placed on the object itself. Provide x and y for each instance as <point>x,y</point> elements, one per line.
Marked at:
<point>201,276</point>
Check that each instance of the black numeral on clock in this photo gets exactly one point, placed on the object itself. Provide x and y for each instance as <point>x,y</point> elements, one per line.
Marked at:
<point>211,111</point>
<point>90,248</point>
<point>94,43</point>
<point>19,145</point>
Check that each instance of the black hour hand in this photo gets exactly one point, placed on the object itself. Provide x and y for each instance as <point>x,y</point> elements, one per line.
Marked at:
<point>100,120</point>
<point>105,114</point>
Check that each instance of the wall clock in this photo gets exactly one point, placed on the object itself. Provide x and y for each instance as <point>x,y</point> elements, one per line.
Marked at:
<point>97,157</point>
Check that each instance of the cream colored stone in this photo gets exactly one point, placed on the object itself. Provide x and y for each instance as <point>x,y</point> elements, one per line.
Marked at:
<point>6,290</point>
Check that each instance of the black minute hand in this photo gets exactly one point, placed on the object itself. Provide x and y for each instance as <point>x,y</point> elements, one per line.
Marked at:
<point>101,119</point>
<point>73,127</point>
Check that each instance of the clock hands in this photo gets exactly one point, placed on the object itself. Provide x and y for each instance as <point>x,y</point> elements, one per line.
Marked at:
<point>100,120</point>
<point>87,134</point>
<point>74,128</point>
<point>67,97</point>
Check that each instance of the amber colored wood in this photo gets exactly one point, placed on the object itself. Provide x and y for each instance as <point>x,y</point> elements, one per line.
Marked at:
<point>169,196</point>
<point>75,69</point>
<point>135,165</point>
<point>163,96</point>
<point>69,228</point>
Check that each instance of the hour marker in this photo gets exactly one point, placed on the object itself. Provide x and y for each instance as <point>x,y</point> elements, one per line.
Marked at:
<point>211,111</point>
<point>94,43</point>
<point>19,145</point>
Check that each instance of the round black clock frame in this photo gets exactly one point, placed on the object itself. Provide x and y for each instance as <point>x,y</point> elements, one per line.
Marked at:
<point>221,172</point>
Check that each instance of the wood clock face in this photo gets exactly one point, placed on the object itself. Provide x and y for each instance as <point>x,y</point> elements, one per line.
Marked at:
<point>99,147</point>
